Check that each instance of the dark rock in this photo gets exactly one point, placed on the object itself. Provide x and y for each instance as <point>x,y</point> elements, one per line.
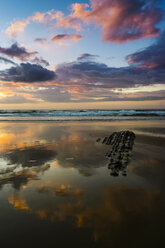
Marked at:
<point>120,153</point>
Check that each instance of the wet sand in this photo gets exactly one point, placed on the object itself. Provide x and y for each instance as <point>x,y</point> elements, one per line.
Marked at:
<point>57,190</point>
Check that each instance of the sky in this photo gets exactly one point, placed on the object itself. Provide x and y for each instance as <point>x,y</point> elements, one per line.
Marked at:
<point>82,54</point>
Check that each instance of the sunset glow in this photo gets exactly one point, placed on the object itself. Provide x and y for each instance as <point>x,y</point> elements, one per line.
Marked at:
<point>85,54</point>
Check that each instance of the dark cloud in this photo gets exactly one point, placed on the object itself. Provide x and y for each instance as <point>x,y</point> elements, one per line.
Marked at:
<point>98,75</point>
<point>128,98</point>
<point>40,61</point>
<point>150,57</point>
<point>26,72</point>
<point>116,96</point>
<point>17,52</point>
<point>87,56</point>
<point>41,40</point>
<point>7,61</point>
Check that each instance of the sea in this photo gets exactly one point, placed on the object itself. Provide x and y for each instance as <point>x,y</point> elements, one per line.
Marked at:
<point>81,115</point>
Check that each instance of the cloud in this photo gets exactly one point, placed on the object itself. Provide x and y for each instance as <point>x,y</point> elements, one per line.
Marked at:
<point>83,80</point>
<point>52,94</point>
<point>46,17</point>
<point>6,61</point>
<point>151,57</point>
<point>14,51</point>
<point>120,20</point>
<point>61,37</point>
<point>16,28</point>
<point>75,19</point>
<point>38,17</point>
<point>40,61</point>
<point>41,40</point>
<point>29,73</point>
<point>21,53</point>
<point>91,74</point>
<point>15,99</point>
<point>139,96</point>
<point>87,56</point>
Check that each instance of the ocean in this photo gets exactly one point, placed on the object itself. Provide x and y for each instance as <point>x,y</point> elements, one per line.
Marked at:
<point>81,115</point>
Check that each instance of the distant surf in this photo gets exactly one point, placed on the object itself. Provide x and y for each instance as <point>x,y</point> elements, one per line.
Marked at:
<point>80,115</point>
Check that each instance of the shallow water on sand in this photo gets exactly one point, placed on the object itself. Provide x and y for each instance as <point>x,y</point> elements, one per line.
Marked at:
<point>56,189</point>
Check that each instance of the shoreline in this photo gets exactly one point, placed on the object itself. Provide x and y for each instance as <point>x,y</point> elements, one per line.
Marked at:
<point>84,119</point>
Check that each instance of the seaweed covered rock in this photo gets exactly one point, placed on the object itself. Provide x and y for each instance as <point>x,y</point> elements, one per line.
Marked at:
<point>121,149</point>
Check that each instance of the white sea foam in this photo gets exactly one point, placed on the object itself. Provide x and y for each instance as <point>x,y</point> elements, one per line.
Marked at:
<point>80,114</point>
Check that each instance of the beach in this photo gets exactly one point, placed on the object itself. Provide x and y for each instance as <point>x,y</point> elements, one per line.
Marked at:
<point>57,190</point>
<point>82,124</point>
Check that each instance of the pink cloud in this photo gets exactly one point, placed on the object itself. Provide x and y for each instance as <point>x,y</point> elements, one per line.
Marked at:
<point>16,28</point>
<point>120,20</point>
<point>46,17</point>
<point>61,37</point>
<point>76,19</point>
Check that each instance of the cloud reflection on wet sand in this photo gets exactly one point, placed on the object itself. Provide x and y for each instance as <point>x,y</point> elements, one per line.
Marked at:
<point>56,175</point>
<point>126,211</point>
